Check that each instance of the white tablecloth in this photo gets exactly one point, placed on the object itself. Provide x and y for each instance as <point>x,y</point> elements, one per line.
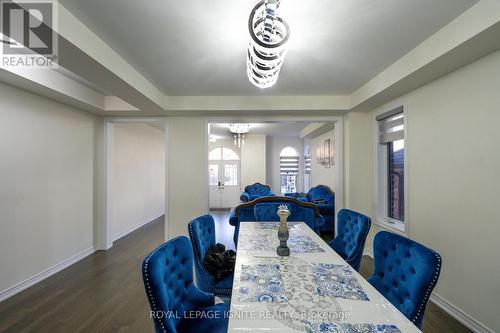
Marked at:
<point>312,290</point>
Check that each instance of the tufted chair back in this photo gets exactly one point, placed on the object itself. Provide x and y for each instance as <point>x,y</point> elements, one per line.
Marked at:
<point>352,229</point>
<point>322,192</point>
<point>405,273</point>
<point>299,211</point>
<point>202,234</point>
<point>168,278</point>
<point>258,189</point>
<point>268,212</point>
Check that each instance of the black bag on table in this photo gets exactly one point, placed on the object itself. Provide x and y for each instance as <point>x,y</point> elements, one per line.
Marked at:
<point>219,262</point>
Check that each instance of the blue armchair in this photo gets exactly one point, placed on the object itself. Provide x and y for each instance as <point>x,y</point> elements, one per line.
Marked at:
<point>168,279</point>
<point>255,191</point>
<point>202,235</point>
<point>323,197</point>
<point>352,229</point>
<point>299,211</point>
<point>405,273</point>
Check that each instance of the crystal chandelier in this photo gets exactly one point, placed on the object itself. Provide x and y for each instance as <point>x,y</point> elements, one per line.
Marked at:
<point>269,34</point>
<point>239,131</point>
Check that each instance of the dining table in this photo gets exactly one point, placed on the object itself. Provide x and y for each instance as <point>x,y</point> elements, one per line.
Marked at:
<point>311,290</point>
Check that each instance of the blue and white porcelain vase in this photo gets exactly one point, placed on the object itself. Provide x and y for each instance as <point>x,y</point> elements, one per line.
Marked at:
<point>283,234</point>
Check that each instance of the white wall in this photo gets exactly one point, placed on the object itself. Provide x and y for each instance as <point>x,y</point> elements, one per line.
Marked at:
<point>358,161</point>
<point>319,174</point>
<point>187,175</point>
<point>453,161</point>
<point>274,146</point>
<point>47,168</point>
<point>253,160</point>
<point>138,184</point>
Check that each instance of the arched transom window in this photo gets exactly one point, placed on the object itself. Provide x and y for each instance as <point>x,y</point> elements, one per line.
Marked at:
<point>222,154</point>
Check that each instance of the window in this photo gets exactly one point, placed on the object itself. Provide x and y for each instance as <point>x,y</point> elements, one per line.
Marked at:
<point>289,170</point>
<point>222,153</point>
<point>215,154</point>
<point>231,174</point>
<point>213,174</point>
<point>396,182</point>
<point>390,169</point>
<point>228,154</point>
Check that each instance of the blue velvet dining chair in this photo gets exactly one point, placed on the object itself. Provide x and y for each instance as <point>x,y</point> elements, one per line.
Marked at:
<point>168,279</point>
<point>202,235</point>
<point>352,229</point>
<point>405,272</point>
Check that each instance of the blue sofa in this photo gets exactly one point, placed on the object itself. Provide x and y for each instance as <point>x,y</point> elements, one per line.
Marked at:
<point>255,191</point>
<point>299,211</point>
<point>324,198</point>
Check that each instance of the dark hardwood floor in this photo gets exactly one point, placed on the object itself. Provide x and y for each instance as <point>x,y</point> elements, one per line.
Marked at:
<point>104,292</point>
<point>223,230</point>
<point>101,293</point>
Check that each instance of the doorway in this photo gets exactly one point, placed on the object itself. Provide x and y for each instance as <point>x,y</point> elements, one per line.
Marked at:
<point>223,178</point>
<point>134,184</point>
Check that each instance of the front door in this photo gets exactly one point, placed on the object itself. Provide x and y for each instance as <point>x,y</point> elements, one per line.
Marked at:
<point>224,184</point>
<point>230,191</point>
<point>214,185</point>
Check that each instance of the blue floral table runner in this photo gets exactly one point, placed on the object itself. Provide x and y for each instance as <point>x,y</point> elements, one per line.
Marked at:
<point>349,328</point>
<point>261,283</point>
<point>338,281</point>
<point>264,282</point>
<point>265,241</point>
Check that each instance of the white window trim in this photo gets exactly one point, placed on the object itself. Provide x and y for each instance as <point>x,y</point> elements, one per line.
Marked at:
<point>380,175</point>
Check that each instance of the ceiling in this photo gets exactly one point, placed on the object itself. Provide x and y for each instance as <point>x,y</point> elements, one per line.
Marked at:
<point>198,47</point>
<point>272,129</point>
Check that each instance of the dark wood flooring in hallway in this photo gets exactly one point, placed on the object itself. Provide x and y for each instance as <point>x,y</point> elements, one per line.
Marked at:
<point>104,292</point>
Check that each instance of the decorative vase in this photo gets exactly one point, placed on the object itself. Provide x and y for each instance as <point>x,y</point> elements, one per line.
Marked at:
<point>283,234</point>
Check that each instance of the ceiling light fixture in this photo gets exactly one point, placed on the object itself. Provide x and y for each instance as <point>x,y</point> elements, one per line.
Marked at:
<point>239,131</point>
<point>269,35</point>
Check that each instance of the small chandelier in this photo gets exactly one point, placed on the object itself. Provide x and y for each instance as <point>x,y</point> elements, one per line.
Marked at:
<point>269,34</point>
<point>239,131</point>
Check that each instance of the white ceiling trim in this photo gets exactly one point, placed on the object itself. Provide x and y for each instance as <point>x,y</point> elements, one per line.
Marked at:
<point>75,32</point>
<point>471,23</point>
<point>101,65</point>
<point>276,103</point>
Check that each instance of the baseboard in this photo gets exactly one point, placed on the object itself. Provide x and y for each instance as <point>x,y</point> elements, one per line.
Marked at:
<point>467,320</point>
<point>17,288</point>
<point>135,227</point>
